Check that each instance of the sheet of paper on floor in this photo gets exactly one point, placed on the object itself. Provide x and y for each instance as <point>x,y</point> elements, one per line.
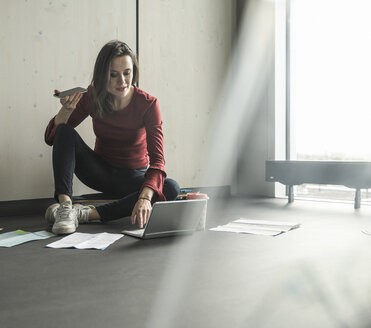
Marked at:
<point>13,238</point>
<point>81,240</point>
<point>257,227</point>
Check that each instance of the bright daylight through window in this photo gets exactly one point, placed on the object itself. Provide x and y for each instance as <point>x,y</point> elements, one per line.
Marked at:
<point>330,83</point>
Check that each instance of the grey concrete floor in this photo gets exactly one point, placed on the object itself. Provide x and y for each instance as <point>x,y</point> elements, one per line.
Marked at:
<point>316,276</point>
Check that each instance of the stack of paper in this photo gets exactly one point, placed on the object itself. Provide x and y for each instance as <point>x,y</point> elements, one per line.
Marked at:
<point>17,237</point>
<point>257,227</point>
<point>86,241</point>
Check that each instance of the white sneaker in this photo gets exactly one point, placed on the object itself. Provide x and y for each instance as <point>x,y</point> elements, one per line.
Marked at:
<point>82,213</point>
<point>65,219</point>
<point>50,214</point>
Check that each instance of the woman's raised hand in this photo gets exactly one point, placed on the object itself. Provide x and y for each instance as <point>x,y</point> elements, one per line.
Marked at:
<point>70,102</point>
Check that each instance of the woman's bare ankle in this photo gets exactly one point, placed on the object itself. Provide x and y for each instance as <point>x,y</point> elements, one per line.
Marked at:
<point>93,215</point>
<point>64,198</point>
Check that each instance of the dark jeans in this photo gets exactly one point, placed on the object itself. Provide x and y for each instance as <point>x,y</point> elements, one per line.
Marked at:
<point>71,155</point>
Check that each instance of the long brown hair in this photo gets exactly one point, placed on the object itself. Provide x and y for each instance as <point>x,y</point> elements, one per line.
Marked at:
<point>101,99</point>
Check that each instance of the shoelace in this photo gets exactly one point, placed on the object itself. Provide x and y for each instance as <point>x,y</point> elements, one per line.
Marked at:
<point>64,211</point>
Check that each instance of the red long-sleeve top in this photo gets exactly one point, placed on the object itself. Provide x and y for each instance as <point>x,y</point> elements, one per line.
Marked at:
<point>130,138</point>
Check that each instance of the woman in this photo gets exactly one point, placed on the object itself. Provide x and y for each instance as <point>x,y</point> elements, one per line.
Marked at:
<point>128,159</point>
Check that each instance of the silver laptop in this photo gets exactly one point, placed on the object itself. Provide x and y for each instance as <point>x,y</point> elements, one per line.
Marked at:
<point>171,218</point>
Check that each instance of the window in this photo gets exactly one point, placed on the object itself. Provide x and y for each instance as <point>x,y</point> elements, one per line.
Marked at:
<point>330,85</point>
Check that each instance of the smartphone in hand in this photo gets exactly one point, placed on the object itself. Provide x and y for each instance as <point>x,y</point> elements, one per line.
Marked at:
<point>69,92</point>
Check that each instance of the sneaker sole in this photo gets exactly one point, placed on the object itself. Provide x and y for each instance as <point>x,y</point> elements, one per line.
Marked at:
<point>63,231</point>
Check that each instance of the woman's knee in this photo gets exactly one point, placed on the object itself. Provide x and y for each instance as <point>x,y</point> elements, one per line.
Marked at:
<point>65,134</point>
<point>171,189</point>
<point>64,129</point>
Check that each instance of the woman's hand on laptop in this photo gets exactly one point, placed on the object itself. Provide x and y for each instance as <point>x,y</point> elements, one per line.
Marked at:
<point>142,208</point>
<point>141,212</point>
